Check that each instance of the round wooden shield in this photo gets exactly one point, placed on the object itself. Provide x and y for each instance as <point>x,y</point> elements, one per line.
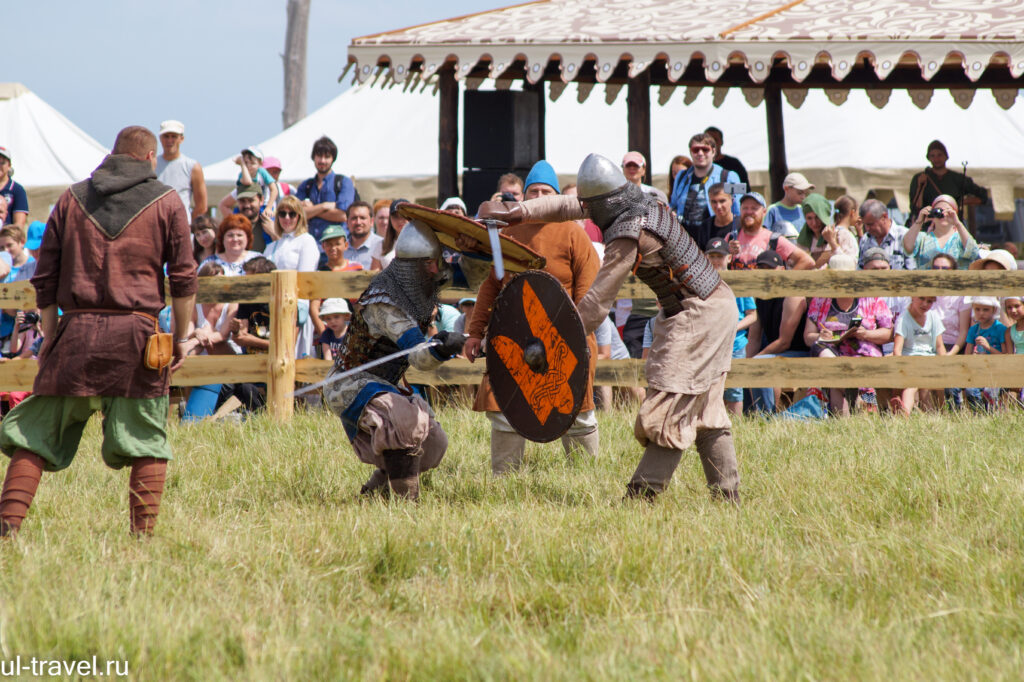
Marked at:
<point>537,356</point>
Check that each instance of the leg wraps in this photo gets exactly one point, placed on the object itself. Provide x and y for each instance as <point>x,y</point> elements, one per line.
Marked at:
<point>145,488</point>
<point>403,470</point>
<point>507,448</point>
<point>654,471</point>
<point>20,485</point>
<point>377,482</point>
<point>718,457</point>
<point>588,442</point>
<point>583,435</point>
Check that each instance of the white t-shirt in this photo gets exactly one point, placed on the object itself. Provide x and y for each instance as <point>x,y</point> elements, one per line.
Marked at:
<point>608,335</point>
<point>919,340</point>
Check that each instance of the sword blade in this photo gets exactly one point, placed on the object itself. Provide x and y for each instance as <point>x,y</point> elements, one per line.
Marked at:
<point>499,261</point>
<point>334,378</point>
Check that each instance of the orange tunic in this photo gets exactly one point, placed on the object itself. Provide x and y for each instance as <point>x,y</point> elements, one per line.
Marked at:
<point>571,259</point>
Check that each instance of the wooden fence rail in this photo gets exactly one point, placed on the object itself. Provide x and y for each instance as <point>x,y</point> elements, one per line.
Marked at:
<point>282,290</point>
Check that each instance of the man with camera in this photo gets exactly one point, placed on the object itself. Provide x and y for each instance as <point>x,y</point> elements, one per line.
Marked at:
<point>937,180</point>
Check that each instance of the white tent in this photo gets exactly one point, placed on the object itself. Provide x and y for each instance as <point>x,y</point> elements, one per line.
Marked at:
<point>47,149</point>
<point>388,133</point>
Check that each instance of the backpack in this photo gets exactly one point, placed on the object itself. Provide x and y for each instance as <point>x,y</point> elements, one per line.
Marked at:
<point>339,180</point>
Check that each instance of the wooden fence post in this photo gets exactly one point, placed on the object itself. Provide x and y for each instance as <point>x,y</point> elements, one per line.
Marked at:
<point>281,366</point>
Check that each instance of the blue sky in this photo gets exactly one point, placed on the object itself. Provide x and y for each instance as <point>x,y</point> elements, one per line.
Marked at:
<point>213,64</point>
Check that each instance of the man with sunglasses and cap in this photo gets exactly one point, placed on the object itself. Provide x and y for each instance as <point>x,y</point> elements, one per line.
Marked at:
<point>13,192</point>
<point>690,195</point>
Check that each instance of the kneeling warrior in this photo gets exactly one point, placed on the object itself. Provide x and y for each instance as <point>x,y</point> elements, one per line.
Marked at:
<point>388,426</point>
<point>693,333</point>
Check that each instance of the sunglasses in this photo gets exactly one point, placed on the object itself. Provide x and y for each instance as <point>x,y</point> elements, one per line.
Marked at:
<point>941,267</point>
<point>287,214</point>
<point>700,150</point>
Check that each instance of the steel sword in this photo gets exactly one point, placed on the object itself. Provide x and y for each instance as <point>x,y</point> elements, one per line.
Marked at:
<point>372,363</point>
<point>492,232</point>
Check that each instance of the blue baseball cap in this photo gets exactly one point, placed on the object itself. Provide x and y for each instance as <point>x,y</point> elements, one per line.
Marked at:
<point>35,234</point>
<point>542,173</point>
<point>756,196</point>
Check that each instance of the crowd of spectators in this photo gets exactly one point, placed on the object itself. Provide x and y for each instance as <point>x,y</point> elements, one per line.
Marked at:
<point>322,224</point>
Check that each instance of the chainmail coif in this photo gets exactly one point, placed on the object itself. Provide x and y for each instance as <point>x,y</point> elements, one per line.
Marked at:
<point>627,201</point>
<point>406,284</point>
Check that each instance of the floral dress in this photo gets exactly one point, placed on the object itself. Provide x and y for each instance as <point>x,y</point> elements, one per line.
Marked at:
<point>874,314</point>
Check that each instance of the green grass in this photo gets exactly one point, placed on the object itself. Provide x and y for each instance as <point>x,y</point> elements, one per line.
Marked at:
<point>866,548</point>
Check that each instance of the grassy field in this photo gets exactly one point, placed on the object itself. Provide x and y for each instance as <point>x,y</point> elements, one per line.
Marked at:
<point>866,548</point>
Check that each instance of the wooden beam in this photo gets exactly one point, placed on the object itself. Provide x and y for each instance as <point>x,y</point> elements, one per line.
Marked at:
<point>200,370</point>
<point>638,118</point>
<point>755,283</point>
<point>777,166</point>
<point>447,135</point>
<point>539,88</point>
<point>890,372</point>
<point>281,367</point>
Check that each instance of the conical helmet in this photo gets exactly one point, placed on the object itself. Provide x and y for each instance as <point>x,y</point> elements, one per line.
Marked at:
<point>598,175</point>
<point>417,241</point>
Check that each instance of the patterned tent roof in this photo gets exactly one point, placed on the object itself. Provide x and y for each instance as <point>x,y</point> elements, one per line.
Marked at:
<point>874,44</point>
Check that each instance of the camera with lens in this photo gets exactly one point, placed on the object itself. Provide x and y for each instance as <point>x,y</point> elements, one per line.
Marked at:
<point>30,320</point>
<point>935,213</point>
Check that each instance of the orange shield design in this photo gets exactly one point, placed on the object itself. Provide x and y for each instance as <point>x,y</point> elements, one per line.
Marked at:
<point>537,356</point>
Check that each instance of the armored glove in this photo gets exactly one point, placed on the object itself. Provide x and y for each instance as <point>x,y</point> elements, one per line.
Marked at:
<point>451,344</point>
<point>505,211</point>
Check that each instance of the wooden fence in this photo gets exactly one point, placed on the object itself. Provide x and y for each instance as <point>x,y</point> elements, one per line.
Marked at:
<point>282,290</point>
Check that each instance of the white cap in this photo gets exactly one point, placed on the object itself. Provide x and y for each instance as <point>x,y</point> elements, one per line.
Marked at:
<point>255,151</point>
<point>176,127</point>
<point>334,306</point>
<point>990,301</point>
<point>797,181</point>
<point>453,202</point>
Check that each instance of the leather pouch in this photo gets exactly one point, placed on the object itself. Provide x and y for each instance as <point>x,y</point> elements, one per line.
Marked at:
<point>159,351</point>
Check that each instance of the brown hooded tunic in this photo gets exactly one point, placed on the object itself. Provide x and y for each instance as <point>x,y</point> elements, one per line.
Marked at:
<point>105,247</point>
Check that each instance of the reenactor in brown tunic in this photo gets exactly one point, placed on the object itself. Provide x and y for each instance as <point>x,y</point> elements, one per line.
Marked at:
<point>102,261</point>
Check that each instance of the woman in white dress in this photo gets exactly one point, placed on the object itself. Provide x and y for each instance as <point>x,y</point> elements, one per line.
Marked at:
<point>295,249</point>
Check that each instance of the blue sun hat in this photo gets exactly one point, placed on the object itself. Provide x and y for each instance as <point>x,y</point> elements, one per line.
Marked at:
<point>542,173</point>
<point>35,234</point>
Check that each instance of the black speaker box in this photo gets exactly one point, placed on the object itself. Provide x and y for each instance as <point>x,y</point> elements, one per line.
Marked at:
<point>501,129</point>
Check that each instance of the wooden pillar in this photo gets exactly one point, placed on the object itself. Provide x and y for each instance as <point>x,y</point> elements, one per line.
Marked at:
<point>778,169</point>
<point>638,118</point>
<point>448,135</point>
<point>281,361</point>
<point>539,88</point>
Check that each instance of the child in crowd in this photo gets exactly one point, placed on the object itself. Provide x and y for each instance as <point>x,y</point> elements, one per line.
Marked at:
<point>717,252</point>
<point>336,315</point>
<point>251,324</point>
<point>1014,342</point>
<point>26,340</point>
<point>985,337</point>
<point>333,241</point>
<point>251,161</point>
<point>919,333</point>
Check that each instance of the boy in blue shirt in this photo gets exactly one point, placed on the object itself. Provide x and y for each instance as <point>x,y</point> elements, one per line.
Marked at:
<point>985,337</point>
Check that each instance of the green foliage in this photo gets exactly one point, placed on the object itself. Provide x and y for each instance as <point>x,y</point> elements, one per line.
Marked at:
<point>866,548</point>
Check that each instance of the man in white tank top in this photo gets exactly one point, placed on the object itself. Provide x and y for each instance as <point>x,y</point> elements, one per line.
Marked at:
<point>185,175</point>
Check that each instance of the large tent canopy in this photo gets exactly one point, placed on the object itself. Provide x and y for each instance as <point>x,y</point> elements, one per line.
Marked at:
<point>47,149</point>
<point>766,48</point>
<point>854,147</point>
<point>879,44</point>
